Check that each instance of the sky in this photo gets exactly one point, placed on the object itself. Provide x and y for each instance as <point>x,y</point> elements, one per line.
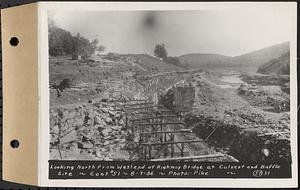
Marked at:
<point>225,32</point>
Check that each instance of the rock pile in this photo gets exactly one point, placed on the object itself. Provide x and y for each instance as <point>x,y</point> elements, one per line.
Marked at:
<point>269,97</point>
<point>94,130</point>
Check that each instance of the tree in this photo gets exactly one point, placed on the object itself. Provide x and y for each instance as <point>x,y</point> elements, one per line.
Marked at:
<point>62,42</point>
<point>101,48</point>
<point>160,51</point>
<point>96,47</point>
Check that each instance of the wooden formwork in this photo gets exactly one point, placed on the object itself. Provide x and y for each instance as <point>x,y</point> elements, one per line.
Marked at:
<point>153,128</point>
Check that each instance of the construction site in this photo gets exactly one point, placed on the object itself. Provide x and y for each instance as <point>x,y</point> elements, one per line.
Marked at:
<point>139,108</point>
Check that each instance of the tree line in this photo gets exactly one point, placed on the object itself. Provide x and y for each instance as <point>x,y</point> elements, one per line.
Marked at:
<point>62,42</point>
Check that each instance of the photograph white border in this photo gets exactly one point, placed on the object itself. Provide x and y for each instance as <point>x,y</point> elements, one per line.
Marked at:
<point>44,7</point>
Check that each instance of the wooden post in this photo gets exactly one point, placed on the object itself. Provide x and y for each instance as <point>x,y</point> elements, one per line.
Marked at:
<point>59,151</point>
<point>172,145</point>
<point>141,139</point>
<point>182,149</point>
<point>145,153</point>
<point>150,156</point>
<point>140,129</point>
<point>167,149</point>
<point>139,152</point>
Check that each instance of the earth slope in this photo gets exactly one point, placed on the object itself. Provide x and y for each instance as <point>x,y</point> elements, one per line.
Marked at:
<point>280,65</point>
<point>253,59</point>
<point>197,60</point>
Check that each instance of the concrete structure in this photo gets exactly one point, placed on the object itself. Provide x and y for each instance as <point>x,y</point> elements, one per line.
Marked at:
<point>183,98</point>
<point>76,57</point>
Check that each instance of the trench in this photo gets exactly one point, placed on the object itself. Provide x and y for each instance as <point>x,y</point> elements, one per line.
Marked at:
<point>244,144</point>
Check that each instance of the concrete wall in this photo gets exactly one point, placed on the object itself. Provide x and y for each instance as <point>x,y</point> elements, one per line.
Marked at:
<point>183,98</point>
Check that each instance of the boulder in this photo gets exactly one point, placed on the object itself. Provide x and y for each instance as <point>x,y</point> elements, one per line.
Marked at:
<point>85,145</point>
<point>104,110</point>
<point>106,131</point>
<point>107,137</point>
<point>53,138</point>
<point>100,128</point>
<point>74,148</point>
<point>98,153</point>
<point>103,149</point>
<point>112,113</point>
<point>121,122</point>
<point>98,121</point>
<point>87,137</point>
<point>118,116</point>
<point>108,120</point>
<point>55,130</point>
<point>54,154</point>
<point>70,137</point>
<point>116,128</point>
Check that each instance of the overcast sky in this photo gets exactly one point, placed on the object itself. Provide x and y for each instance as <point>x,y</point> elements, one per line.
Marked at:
<point>221,31</point>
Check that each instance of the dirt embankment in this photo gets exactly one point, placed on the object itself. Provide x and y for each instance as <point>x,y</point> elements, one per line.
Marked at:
<point>269,98</point>
<point>245,144</point>
<point>268,80</point>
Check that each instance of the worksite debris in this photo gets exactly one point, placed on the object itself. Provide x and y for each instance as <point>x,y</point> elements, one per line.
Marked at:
<point>137,107</point>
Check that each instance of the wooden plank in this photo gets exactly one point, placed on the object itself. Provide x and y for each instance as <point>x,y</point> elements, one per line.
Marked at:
<point>155,117</point>
<point>148,112</point>
<point>190,157</point>
<point>163,110</point>
<point>139,104</point>
<point>159,132</point>
<point>174,142</point>
<point>167,123</point>
<point>142,107</point>
<point>275,133</point>
<point>127,100</point>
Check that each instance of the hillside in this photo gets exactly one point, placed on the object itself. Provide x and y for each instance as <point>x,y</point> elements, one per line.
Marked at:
<point>152,63</point>
<point>197,60</point>
<point>280,65</point>
<point>253,59</point>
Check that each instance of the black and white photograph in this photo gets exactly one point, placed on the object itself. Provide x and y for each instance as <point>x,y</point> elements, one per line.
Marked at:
<point>170,85</point>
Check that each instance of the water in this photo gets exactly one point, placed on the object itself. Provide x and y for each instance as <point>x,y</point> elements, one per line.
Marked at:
<point>235,79</point>
<point>225,86</point>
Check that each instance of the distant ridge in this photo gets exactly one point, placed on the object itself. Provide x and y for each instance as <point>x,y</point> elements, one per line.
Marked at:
<point>154,63</point>
<point>252,59</point>
<point>280,65</point>
<point>196,60</point>
<point>255,58</point>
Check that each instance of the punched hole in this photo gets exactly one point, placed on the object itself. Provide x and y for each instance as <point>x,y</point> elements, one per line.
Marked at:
<point>14,41</point>
<point>14,143</point>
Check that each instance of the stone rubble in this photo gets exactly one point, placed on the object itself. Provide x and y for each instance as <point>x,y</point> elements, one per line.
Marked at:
<point>97,131</point>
